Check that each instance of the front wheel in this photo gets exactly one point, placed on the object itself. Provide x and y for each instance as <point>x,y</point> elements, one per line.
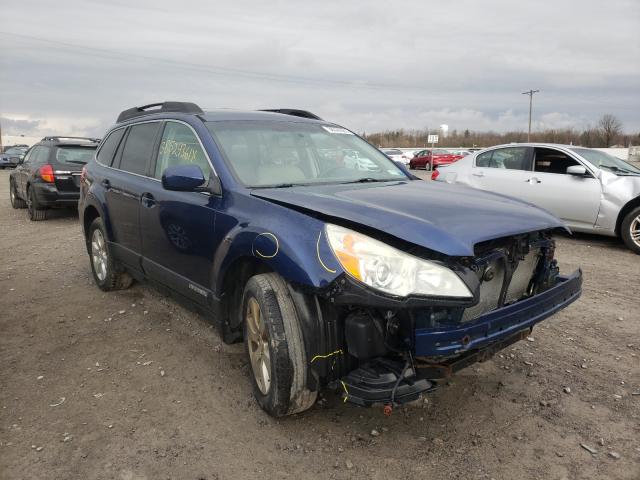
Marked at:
<point>630,230</point>
<point>106,273</point>
<point>275,347</point>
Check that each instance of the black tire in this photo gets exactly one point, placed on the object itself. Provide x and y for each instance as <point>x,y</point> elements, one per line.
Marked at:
<point>36,212</point>
<point>411,167</point>
<point>630,228</point>
<point>16,201</point>
<point>115,277</point>
<point>287,393</point>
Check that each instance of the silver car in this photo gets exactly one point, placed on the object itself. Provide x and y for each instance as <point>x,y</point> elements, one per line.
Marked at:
<point>590,190</point>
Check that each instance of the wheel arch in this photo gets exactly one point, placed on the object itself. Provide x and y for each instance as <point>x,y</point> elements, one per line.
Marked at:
<point>630,205</point>
<point>229,289</point>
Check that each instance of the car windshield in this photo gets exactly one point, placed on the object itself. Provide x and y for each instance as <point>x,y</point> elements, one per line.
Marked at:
<point>75,154</point>
<point>282,154</point>
<point>608,162</point>
<point>15,151</point>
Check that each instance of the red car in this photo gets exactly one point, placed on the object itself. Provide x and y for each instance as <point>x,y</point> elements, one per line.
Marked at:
<point>429,159</point>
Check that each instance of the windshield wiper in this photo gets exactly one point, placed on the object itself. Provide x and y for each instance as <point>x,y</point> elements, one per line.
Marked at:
<point>617,169</point>
<point>282,185</point>
<point>370,180</point>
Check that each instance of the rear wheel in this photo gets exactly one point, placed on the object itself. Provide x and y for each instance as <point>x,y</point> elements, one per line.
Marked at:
<point>106,273</point>
<point>630,230</point>
<point>16,201</point>
<point>275,347</point>
<point>411,167</point>
<point>36,212</point>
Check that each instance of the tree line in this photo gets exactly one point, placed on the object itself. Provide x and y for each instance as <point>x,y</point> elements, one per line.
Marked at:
<point>608,132</point>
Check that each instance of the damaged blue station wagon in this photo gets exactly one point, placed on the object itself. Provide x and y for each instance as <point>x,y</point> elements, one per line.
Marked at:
<point>334,264</point>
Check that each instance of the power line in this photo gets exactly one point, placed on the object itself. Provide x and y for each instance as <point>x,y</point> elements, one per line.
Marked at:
<point>214,69</point>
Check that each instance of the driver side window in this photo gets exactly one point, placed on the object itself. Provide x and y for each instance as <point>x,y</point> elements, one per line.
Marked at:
<point>548,160</point>
<point>180,146</point>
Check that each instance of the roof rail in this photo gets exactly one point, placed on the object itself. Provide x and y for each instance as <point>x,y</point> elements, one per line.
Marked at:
<point>63,138</point>
<point>178,107</point>
<point>292,111</point>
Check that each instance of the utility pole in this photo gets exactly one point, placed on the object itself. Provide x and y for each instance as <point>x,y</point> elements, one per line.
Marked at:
<point>530,93</point>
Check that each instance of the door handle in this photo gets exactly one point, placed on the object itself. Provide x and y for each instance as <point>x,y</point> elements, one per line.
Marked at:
<point>106,184</point>
<point>147,200</point>
<point>533,180</point>
<point>479,174</point>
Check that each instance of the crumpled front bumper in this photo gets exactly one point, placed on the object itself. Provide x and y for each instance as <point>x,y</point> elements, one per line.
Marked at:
<point>498,324</point>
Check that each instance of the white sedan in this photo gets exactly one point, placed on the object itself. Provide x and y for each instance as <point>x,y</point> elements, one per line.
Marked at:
<point>396,155</point>
<point>590,190</point>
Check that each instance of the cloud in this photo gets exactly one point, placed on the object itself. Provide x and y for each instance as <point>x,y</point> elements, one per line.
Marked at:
<point>368,65</point>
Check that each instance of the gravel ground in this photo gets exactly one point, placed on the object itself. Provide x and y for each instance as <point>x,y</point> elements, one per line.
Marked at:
<point>129,385</point>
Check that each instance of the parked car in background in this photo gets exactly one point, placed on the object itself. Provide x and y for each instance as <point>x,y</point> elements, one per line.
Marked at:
<point>49,175</point>
<point>12,156</point>
<point>461,152</point>
<point>433,158</point>
<point>332,275</point>
<point>354,160</point>
<point>590,190</point>
<point>396,155</point>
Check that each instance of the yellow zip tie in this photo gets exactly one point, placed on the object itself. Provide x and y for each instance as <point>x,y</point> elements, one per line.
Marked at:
<point>345,391</point>
<point>326,356</point>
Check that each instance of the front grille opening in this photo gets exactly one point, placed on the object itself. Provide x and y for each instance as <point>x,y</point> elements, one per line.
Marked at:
<point>493,275</point>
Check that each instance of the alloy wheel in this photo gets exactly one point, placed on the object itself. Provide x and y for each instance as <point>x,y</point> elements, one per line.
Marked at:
<point>99,255</point>
<point>634,230</point>
<point>258,342</point>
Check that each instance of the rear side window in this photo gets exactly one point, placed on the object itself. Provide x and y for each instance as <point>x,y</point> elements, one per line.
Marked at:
<point>109,145</point>
<point>40,156</point>
<point>180,146</point>
<point>74,155</point>
<point>512,158</point>
<point>138,148</point>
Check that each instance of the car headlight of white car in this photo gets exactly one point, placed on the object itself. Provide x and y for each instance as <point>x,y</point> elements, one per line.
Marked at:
<point>390,270</point>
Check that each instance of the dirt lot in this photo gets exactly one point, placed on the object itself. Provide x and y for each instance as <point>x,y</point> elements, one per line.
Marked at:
<point>129,385</point>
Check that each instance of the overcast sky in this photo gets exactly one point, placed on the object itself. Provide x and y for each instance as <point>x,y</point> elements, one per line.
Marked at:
<point>70,67</point>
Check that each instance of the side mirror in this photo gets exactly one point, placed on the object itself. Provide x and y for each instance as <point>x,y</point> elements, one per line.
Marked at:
<point>183,178</point>
<point>577,170</point>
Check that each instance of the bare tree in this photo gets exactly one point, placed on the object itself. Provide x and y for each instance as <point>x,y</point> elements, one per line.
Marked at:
<point>610,128</point>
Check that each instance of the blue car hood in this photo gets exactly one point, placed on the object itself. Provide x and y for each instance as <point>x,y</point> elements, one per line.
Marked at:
<point>446,218</point>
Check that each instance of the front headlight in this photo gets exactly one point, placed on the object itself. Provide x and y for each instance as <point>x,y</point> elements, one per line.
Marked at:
<point>390,270</point>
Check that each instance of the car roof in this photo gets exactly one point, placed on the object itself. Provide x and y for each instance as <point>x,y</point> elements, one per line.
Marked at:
<point>184,110</point>
<point>535,144</point>
<point>60,141</point>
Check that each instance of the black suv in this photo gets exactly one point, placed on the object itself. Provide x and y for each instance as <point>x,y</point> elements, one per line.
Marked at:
<point>49,174</point>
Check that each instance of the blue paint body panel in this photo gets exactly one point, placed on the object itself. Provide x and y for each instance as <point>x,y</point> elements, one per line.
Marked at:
<point>500,323</point>
<point>444,218</point>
